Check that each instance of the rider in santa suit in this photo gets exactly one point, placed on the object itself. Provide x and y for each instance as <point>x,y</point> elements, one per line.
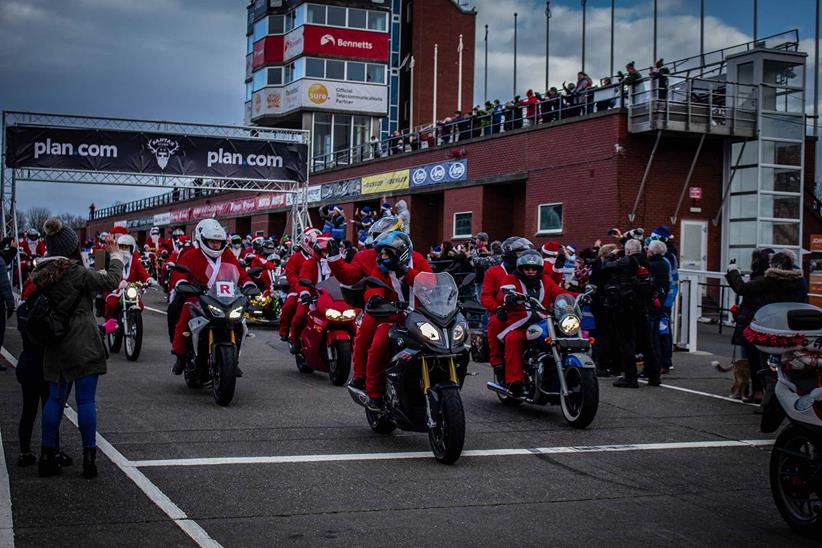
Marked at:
<point>351,273</point>
<point>315,270</point>
<point>157,242</point>
<point>133,272</point>
<point>292,272</point>
<point>202,265</point>
<point>32,246</point>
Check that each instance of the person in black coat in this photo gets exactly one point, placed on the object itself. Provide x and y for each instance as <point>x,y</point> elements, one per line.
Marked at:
<point>661,277</point>
<point>773,280</point>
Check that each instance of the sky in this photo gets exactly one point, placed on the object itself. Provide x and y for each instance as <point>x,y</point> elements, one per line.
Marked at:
<point>184,59</point>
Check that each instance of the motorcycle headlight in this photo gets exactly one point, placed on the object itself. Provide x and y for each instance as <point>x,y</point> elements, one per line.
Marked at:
<point>131,293</point>
<point>216,311</point>
<point>429,331</point>
<point>333,315</point>
<point>349,314</point>
<point>236,314</point>
<point>569,324</point>
<point>459,333</point>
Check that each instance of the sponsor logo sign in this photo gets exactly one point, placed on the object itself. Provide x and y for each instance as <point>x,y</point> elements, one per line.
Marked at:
<point>341,189</point>
<point>352,43</point>
<point>267,51</point>
<point>294,43</point>
<point>385,182</point>
<point>162,219</point>
<point>439,173</point>
<point>180,216</point>
<point>325,94</point>
<point>154,153</point>
<point>318,93</point>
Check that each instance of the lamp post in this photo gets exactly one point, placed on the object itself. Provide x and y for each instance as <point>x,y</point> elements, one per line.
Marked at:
<point>653,61</point>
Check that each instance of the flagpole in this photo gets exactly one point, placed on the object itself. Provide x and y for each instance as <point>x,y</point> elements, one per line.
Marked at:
<point>653,61</point>
<point>434,117</point>
<point>755,20</point>
<point>816,78</point>
<point>459,76</point>
<point>612,39</point>
<point>583,2</point>
<point>701,35</point>
<point>515,56</point>
<point>411,97</point>
<point>547,43</point>
<point>486,62</point>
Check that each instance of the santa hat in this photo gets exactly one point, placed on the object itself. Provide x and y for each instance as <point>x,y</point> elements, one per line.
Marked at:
<point>385,206</point>
<point>550,249</point>
<point>571,249</point>
<point>119,230</point>
<point>365,209</point>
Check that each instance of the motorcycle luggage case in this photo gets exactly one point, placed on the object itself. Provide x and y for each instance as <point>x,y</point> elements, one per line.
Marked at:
<point>785,327</point>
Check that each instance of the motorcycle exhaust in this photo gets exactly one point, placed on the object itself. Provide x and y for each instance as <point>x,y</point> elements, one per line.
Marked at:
<point>494,387</point>
<point>359,396</point>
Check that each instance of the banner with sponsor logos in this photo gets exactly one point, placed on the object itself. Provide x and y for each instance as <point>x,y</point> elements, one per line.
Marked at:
<point>327,95</point>
<point>180,216</point>
<point>341,189</point>
<point>293,44</point>
<point>336,42</point>
<point>154,153</point>
<point>385,182</point>
<point>267,51</point>
<point>815,288</point>
<point>162,219</point>
<point>439,173</point>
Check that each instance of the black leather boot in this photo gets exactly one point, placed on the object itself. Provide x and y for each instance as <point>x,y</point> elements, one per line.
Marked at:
<point>48,465</point>
<point>89,464</point>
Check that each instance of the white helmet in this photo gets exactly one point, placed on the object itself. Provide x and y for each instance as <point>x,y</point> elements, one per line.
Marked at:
<point>309,237</point>
<point>128,240</point>
<point>210,230</point>
<point>155,231</point>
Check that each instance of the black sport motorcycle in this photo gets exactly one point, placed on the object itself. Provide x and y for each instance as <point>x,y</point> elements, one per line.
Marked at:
<point>218,327</point>
<point>429,362</point>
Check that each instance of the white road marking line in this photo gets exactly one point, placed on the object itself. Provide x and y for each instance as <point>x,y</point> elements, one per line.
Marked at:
<point>698,393</point>
<point>155,495</point>
<point>157,310</point>
<point>6,520</point>
<point>291,459</point>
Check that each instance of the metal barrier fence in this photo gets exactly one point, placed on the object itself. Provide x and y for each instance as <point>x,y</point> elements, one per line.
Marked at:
<point>690,306</point>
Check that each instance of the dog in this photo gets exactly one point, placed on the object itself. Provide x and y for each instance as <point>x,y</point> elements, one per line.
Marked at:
<point>741,387</point>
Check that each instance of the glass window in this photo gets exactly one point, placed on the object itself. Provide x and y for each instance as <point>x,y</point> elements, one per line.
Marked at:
<point>549,218</point>
<point>322,135</point>
<point>781,180</point>
<point>336,16</point>
<point>249,89</point>
<point>259,79</point>
<point>260,29</point>
<point>783,73</point>
<point>375,74</point>
<point>276,24</point>
<point>315,68</point>
<point>778,233</point>
<point>462,224</point>
<point>357,18</point>
<point>744,179</point>
<point>742,255</point>
<point>299,16</point>
<point>288,73</point>
<point>748,151</point>
<point>275,76</point>
<point>316,14</point>
<point>377,20</point>
<point>781,125</point>
<point>335,70</point>
<point>249,47</point>
<point>743,232</point>
<point>779,207</point>
<point>360,135</point>
<point>356,72</point>
<point>743,206</point>
<point>744,73</point>
<point>342,138</point>
<point>786,154</point>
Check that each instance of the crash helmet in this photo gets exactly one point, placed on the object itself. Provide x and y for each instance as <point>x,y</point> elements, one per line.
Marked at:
<point>381,226</point>
<point>275,259</point>
<point>257,244</point>
<point>127,240</point>
<point>514,246</point>
<point>530,259</point>
<point>155,231</point>
<point>32,234</point>
<point>237,241</point>
<point>177,233</point>
<point>397,244</point>
<point>267,247</point>
<point>309,236</point>
<point>210,231</point>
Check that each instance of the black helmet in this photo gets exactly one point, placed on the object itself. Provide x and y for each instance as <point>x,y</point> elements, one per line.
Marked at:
<point>514,246</point>
<point>268,247</point>
<point>530,258</point>
<point>398,243</point>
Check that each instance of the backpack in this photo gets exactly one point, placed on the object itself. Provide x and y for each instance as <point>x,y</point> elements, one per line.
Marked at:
<point>45,325</point>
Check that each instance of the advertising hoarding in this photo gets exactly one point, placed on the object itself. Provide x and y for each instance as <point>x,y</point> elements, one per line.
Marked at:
<point>439,173</point>
<point>385,182</point>
<point>320,94</point>
<point>336,42</point>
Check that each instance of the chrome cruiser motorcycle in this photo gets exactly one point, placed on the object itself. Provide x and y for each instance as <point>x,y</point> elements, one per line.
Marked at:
<point>557,361</point>
<point>129,332</point>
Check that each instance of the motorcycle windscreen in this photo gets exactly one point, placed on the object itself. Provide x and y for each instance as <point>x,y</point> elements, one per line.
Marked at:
<point>564,305</point>
<point>223,284</point>
<point>332,287</point>
<point>436,293</point>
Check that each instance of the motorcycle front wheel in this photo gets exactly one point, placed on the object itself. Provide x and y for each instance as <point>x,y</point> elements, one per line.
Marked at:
<point>225,373</point>
<point>340,365</point>
<point>115,340</point>
<point>796,485</point>
<point>580,406</point>
<point>133,338</point>
<point>448,436</point>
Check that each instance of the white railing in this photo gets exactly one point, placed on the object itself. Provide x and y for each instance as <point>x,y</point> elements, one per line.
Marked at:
<point>693,284</point>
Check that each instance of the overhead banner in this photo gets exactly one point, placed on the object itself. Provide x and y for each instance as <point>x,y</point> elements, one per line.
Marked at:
<point>341,189</point>
<point>154,153</point>
<point>336,42</point>
<point>439,173</point>
<point>385,182</point>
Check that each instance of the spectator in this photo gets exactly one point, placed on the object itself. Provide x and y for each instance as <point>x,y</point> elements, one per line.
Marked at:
<point>550,105</point>
<point>404,215</point>
<point>661,274</point>
<point>659,76</point>
<point>175,194</point>
<point>91,209</point>
<point>376,151</point>
<point>496,117</point>
<point>530,103</point>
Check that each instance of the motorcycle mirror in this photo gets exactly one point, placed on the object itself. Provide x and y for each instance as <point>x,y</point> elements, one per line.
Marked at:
<point>473,307</point>
<point>306,283</point>
<point>256,271</point>
<point>370,280</point>
<point>468,279</point>
<point>186,288</point>
<point>181,268</point>
<point>250,291</point>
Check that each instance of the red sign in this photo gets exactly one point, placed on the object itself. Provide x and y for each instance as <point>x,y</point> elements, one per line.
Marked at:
<point>360,44</point>
<point>267,51</point>
<point>695,192</point>
<point>180,216</point>
<point>235,207</point>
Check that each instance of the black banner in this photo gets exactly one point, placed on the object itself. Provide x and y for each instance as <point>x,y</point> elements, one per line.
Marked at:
<point>341,189</point>
<point>154,153</point>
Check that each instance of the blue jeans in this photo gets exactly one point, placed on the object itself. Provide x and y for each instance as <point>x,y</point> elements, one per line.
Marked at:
<point>484,317</point>
<point>85,389</point>
<point>666,344</point>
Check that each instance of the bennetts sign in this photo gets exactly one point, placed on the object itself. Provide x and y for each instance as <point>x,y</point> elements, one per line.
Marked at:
<point>154,153</point>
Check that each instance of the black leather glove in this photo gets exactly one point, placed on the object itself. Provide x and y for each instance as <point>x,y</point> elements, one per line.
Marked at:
<point>375,301</point>
<point>305,298</point>
<point>510,299</point>
<point>560,262</point>
<point>501,314</point>
<point>333,247</point>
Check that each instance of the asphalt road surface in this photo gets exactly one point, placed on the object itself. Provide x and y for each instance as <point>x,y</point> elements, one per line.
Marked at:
<point>292,462</point>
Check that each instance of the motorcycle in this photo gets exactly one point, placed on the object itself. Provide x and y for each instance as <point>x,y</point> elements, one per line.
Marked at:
<point>791,333</point>
<point>129,332</point>
<point>264,309</point>
<point>326,341</point>
<point>429,347</point>
<point>218,327</point>
<point>558,367</point>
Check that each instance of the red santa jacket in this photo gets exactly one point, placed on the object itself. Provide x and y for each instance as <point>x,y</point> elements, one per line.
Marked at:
<point>136,270</point>
<point>517,314</point>
<point>494,277</point>
<point>178,254</point>
<point>198,266</point>
<point>292,271</point>
<point>361,266</point>
<point>160,244</point>
<point>32,249</point>
<point>556,275</point>
<point>418,264</point>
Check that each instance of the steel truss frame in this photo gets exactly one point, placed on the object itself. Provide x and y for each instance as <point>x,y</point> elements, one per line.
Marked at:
<point>9,177</point>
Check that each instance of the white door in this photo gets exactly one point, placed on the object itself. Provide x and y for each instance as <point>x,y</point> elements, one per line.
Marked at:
<point>693,248</point>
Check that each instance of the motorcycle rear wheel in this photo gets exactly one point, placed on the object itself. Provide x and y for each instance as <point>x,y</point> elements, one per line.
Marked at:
<point>133,340</point>
<point>795,456</point>
<point>580,406</point>
<point>340,366</point>
<point>380,424</point>
<point>448,437</point>
<point>225,373</point>
<point>301,365</point>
